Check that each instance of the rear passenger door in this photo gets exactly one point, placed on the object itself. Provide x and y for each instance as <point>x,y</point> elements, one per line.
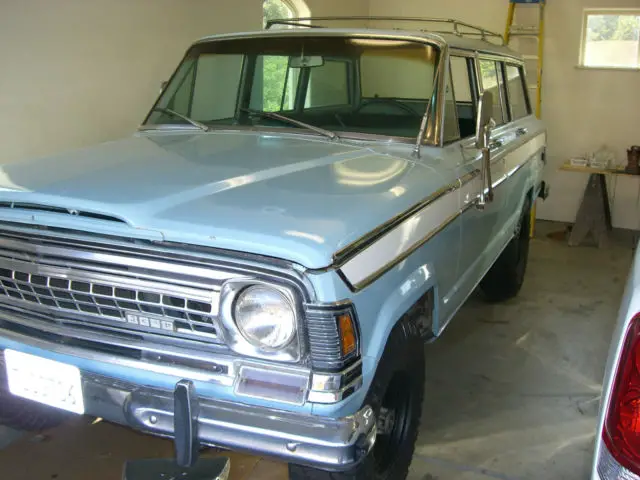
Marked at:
<point>521,132</point>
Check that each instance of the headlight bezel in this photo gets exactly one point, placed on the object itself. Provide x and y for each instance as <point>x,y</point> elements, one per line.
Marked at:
<point>292,352</point>
<point>243,330</point>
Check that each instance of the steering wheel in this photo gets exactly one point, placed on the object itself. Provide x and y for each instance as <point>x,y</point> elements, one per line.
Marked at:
<point>388,101</point>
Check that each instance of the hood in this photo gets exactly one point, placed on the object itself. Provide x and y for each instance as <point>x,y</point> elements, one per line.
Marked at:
<point>294,197</point>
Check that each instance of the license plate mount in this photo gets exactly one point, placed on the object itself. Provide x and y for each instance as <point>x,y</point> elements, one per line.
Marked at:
<point>45,381</point>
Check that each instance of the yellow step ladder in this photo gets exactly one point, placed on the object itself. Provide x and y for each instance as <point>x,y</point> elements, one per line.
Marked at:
<point>527,37</point>
<point>530,17</point>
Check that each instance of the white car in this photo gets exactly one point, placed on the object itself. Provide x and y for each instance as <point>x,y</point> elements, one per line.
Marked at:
<point>617,450</point>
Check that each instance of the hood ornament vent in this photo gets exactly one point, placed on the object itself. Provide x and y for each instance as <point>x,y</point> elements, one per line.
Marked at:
<point>67,211</point>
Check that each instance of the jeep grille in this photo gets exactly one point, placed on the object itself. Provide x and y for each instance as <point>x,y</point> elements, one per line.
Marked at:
<point>110,288</point>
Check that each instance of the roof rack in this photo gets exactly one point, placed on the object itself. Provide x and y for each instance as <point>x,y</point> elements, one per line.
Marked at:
<point>461,29</point>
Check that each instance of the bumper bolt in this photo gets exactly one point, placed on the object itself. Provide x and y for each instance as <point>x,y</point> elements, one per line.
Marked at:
<point>153,419</point>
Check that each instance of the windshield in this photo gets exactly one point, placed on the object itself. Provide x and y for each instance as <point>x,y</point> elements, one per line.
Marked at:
<point>341,84</point>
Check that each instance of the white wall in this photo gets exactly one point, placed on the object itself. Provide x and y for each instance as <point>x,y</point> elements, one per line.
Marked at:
<point>584,109</point>
<point>76,72</point>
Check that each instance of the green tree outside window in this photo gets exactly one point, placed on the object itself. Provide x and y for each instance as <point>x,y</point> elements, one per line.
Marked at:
<point>274,69</point>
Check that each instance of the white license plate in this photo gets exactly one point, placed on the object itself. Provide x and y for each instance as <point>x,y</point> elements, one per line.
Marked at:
<point>46,381</point>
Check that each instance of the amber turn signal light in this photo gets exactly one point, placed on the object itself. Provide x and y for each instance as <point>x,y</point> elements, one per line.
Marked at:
<point>347,334</point>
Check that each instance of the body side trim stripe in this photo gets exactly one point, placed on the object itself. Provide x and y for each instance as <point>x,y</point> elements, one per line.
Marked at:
<point>365,260</point>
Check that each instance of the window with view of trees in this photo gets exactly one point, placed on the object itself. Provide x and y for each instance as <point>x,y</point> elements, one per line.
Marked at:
<point>611,39</point>
<point>275,67</point>
<point>273,9</point>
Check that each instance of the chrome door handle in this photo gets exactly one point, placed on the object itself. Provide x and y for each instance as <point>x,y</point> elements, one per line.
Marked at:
<point>522,131</point>
<point>496,144</point>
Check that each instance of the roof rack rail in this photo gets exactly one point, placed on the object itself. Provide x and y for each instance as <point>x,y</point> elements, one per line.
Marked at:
<point>461,29</point>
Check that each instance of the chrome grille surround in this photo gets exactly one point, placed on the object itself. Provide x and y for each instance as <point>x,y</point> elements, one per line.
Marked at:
<point>182,310</point>
<point>119,286</point>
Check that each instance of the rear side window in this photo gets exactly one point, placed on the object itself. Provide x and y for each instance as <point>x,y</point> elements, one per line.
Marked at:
<point>517,95</point>
<point>492,81</point>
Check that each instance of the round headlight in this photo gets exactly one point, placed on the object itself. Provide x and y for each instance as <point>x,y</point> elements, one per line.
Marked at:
<point>265,317</point>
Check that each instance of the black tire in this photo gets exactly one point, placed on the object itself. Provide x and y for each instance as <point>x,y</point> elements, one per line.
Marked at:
<point>398,386</point>
<point>23,414</point>
<point>506,276</point>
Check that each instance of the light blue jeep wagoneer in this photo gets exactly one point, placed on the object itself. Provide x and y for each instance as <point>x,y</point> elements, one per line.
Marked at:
<point>260,265</point>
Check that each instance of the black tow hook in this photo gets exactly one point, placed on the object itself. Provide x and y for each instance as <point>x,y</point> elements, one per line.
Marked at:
<point>185,423</point>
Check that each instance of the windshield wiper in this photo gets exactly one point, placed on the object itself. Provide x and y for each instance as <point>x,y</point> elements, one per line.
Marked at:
<point>292,121</point>
<point>193,122</point>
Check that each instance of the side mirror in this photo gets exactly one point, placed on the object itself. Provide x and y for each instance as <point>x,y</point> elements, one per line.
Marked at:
<point>484,122</point>
<point>484,125</point>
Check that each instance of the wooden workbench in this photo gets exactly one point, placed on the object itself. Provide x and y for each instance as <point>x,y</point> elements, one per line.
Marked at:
<point>594,214</point>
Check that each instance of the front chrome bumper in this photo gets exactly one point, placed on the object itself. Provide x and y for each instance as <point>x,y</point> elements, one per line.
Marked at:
<point>326,443</point>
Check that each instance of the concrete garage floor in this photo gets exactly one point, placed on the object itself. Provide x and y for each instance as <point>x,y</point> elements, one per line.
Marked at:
<point>512,389</point>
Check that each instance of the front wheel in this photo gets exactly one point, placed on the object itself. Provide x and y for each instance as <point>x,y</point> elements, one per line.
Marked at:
<point>395,395</point>
<point>505,278</point>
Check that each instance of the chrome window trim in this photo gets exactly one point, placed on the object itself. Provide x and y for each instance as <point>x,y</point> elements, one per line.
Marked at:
<point>523,80</point>
<point>455,108</point>
<point>435,135</point>
<point>471,53</point>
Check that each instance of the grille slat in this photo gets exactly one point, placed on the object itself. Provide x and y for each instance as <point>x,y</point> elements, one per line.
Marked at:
<point>134,308</point>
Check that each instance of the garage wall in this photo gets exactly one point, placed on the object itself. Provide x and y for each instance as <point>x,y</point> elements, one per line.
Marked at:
<point>76,72</point>
<point>321,8</point>
<point>584,109</point>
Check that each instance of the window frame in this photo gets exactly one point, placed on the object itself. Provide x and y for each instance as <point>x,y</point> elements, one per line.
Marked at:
<point>583,36</point>
<point>469,58</point>
<point>502,88</point>
<point>431,136</point>
<point>449,82</point>
<point>525,89</point>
